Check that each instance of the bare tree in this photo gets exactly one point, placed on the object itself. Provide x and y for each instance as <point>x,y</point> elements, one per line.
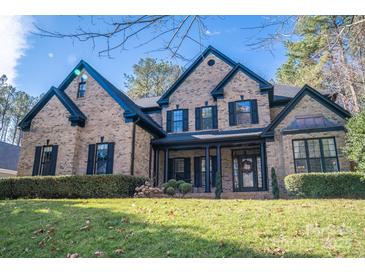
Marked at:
<point>117,32</point>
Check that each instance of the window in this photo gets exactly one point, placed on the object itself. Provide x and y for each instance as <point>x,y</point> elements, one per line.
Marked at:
<point>82,86</point>
<point>315,155</point>
<point>243,112</point>
<point>101,158</point>
<point>179,169</point>
<point>207,118</point>
<point>203,171</point>
<point>177,120</point>
<point>45,160</point>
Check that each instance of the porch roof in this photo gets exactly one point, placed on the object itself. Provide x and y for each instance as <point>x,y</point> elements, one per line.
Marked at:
<point>209,137</point>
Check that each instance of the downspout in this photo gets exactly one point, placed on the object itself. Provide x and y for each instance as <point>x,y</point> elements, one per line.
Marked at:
<point>133,145</point>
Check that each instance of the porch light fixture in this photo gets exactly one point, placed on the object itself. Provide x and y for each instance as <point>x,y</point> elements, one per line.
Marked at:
<point>77,72</point>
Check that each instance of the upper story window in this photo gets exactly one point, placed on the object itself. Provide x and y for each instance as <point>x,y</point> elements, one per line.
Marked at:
<point>315,155</point>
<point>177,120</point>
<point>45,160</point>
<point>100,158</point>
<point>243,112</point>
<point>206,118</point>
<point>82,86</point>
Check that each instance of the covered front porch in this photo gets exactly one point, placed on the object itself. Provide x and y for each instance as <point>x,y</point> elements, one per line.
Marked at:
<point>239,163</point>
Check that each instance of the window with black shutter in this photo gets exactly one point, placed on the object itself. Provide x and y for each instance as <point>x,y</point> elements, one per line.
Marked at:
<point>45,160</point>
<point>206,118</point>
<point>100,158</point>
<point>243,112</point>
<point>177,120</point>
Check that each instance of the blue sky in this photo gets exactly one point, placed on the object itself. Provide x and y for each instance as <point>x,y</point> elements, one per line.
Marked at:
<point>44,62</point>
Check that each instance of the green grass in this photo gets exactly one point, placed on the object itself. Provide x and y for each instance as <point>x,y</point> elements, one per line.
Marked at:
<point>182,228</point>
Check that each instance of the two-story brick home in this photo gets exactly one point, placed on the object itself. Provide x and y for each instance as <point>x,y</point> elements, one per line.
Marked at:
<point>218,116</point>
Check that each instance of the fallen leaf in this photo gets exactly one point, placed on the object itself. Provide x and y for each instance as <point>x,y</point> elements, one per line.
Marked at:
<point>84,228</point>
<point>119,251</point>
<point>38,231</point>
<point>99,253</point>
<point>73,255</point>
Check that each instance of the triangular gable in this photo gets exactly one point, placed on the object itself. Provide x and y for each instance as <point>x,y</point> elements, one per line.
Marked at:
<point>306,90</point>
<point>132,112</point>
<point>77,118</point>
<point>219,89</point>
<point>164,100</point>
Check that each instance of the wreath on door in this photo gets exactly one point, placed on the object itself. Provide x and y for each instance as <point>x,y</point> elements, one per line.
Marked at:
<point>247,166</point>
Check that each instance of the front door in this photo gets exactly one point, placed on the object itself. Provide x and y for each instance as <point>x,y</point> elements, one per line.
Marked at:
<point>245,172</point>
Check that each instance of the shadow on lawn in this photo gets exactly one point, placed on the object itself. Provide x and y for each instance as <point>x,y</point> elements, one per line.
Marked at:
<point>66,230</point>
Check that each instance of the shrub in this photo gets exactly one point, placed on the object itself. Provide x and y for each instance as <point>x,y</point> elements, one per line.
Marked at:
<point>185,188</point>
<point>178,183</point>
<point>326,185</point>
<point>170,191</point>
<point>170,183</point>
<point>85,186</point>
<point>274,184</point>
<point>218,185</point>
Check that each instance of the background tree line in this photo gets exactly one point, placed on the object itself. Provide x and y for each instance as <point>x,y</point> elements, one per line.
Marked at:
<point>14,105</point>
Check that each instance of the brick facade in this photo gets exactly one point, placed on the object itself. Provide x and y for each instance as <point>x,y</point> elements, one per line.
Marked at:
<point>133,152</point>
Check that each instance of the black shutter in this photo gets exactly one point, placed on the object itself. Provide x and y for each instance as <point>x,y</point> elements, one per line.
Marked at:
<point>254,112</point>
<point>54,160</point>
<point>198,113</point>
<point>197,172</point>
<point>232,118</point>
<point>185,119</point>
<point>215,116</point>
<point>214,169</point>
<point>170,169</point>
<point>37,161</point>
<point>109,163</point>
<point>90,159</point>
<point>187,170</point>
<point>168,120</point>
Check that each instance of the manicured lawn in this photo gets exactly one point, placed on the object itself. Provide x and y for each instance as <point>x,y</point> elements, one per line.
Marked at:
<point>182,228</point>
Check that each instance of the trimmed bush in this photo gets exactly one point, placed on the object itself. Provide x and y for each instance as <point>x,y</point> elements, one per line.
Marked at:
<point>274,184</point>
<point>86,186</point>
<point>185,188</point>
<point>326,185</point>
<point>170,191</point>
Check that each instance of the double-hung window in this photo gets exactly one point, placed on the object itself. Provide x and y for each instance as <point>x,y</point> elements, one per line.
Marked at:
<point>207,118</point>
<point>179,170</point>
<point>243,112</point>
<point>45,160</point>
<point>315,155</point>
<point>177,121</point>
<point>100,158</point>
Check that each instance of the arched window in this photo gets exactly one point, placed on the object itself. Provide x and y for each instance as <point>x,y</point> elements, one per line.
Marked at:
<point>82,86</point>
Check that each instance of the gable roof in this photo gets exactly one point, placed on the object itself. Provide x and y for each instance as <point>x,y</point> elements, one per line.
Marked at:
<point>164,100</point>
<point>9,156</point>
<point>76,117</point>
<point>219,89</point>
<point>306,90</point>
<point>132,113</point>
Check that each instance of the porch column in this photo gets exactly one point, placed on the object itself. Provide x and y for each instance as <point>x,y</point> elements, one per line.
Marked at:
<point>166,164</point>
<point>263,165</point>
<point>219,165</point>
<point>157,166</point>
<point>207,169</point>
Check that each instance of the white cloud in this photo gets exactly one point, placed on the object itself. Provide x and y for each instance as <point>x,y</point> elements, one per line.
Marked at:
<point>50,55</point>
<point>212,33</point>
<point>14,31</point>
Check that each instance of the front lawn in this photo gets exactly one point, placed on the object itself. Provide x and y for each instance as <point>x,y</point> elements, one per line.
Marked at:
<point>182,228</point>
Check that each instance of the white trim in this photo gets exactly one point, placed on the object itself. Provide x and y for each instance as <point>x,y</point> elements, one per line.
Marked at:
<point>8,171</point>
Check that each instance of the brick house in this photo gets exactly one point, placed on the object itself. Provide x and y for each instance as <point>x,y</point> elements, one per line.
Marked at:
<point>218,116</point>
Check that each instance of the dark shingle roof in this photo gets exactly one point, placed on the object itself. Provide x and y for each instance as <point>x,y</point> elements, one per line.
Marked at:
<point>9,156</point>
<point>147,102</point>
